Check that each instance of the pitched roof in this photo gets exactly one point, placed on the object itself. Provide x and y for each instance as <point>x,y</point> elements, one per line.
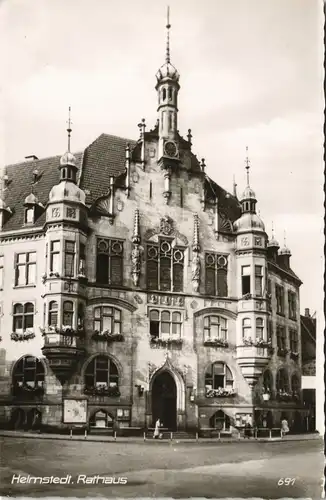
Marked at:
<point>277,267</point>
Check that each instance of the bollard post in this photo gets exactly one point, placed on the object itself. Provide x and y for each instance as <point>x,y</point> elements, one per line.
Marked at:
<point>85,434</point>
<point>219,435</point>
<point>144,436</point>
<point>171,436</point>
<point>281,434</point>
<point>270,433</point>
<point>196,436</point>
<point>70,433</point>
<point>256,433</point>
<point>115,435</point>
<point>239,435</point>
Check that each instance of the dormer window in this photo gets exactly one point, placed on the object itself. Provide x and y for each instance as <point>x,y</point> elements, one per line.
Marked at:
<point>29,215</point>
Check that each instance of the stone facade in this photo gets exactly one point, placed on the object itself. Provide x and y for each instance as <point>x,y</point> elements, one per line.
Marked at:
<point>146,265</point>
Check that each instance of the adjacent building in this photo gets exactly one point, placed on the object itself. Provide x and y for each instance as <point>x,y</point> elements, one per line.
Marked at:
<point>134,287</point>
<point>309,381</point>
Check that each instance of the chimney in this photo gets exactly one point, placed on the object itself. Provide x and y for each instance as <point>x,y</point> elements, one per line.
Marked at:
<point>307,312</point>
<point>31,158</point>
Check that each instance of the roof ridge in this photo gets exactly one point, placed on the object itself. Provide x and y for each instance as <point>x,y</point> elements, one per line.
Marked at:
<point>117,137</point>
<point>40,159</point>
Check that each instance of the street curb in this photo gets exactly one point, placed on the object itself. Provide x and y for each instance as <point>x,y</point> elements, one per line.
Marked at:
<point>165,441</point>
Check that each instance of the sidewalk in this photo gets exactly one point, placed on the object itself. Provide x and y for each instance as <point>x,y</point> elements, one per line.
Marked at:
<point>140,440</point>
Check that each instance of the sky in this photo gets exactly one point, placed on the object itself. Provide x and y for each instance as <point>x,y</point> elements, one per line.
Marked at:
<point>251,75</point>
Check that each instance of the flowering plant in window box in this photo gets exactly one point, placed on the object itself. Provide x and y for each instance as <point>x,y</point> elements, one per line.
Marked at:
<point>259,342</point>
<point>107,336</point>
<point>54,275</point>
<point>23,388</point>
<point>296,396</point>
<point>44,276</point>
<point>284,395</point>
<point>166,342</point>
<point>20,337</point>
<point>63,330</point>
<point>216,343</point>
<point>220,392</point>
<point>102,390</point>
<point>294,355</point>
<point>282,351</point>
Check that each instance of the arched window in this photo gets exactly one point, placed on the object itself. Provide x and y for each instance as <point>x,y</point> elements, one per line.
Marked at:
<point>170,93</point>
<point>101,419</point>
<point>165,323</point>
<point>164,94</point>
<point>218,376</point>
<point>101,372</point>
<point>246,328</point>
<point>165,267</point>
<point>268,381</point>
<point>107,319</point>
<point>220,421</point>
<point>282,381</point>
<point>215,327</point>
<point>53,313</point>
<point>216,270</point>
<point>28,372</point>
<point>68,313</point>
<point>260,328</point>
<point>295,384</point>
<point>23,317</point>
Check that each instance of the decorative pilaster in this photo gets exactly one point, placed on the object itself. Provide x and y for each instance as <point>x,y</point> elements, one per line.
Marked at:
<point>196,263</point>
<point>135,254</point>
<point>128,169</point>
<point>167,189</point>
<point>142,127</point>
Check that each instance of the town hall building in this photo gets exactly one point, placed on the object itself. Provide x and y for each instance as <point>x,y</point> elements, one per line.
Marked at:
<point>134,287</point>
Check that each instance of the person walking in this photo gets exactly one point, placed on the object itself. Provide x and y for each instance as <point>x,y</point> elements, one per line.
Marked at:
<point>156,434</point>
<point>285,426</point>
<point>247,431</point>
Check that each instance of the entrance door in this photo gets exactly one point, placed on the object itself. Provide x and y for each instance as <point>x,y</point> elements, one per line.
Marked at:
<point>164,400</point>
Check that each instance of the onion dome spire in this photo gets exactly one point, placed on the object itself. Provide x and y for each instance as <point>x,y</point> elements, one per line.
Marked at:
<point>248,198</point>
<point>167,71</point>
<point>273,243</point>
<point>285,250</point>
<point>68,165</point>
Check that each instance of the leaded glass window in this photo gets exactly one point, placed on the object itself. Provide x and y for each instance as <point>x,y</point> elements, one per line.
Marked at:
<point>215,327</point>
<point>218,376</point>
<point>109,264</point>
<point>216,267</point>
<point>165,266</point>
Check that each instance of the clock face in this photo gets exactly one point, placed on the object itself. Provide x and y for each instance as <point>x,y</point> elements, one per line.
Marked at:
<point>170,149</point>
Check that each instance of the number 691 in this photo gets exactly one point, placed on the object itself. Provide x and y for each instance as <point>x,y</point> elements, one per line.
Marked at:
<point>287,481</point>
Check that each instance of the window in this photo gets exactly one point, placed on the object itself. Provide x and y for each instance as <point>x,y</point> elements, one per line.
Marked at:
<point>218,376</point>
<point>279,292</point>
<point>295,383</point>
<point>260,328</point>
<point>215,327</point>
<point>29,215</point>
<point>68,313</point>
<point>1,271</point>
<point>164,324</point>
<point>246,328</point>
<point>109,267</point>
<point>53,313</point>
<point>268,381</point>
<point>69,263</point>
<point>107,319</point>
<point>28,371</point>
<point>25,269</point>
<point>23,317</point>
<point>165,267</point>
<point>294,341</point>
<point>269,287</point>
<point>282,381</point>
<point>292,300</point>
<point>101,372</point>
<point>54,256</point>
<point>220,421</point>
<point>164,94</point>
<point>259,280</point>
<point>216,267</point>
<point>80,315</point>
<point>281,337</point>
<point>82,259</point>
<point>245,279</point>
<point>170,93</point>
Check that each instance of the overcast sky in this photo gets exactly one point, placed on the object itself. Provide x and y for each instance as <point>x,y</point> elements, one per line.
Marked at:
<point>251,74</point>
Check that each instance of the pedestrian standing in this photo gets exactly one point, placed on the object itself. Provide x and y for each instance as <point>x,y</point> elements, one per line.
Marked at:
<point>157,429</point>
<point>285,426</point>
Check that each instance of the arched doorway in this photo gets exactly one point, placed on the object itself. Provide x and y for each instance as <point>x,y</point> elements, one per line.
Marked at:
<point>164,400</point>
<point>18,418</point>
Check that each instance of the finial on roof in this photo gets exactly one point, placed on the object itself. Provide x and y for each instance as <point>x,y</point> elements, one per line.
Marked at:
<point>168,26</point>
<point>69,129</point>
<point>203,165</point>
<point>247,166</point>
<point>234,187</point>
<point>189,136</point>
<point>273,230</point>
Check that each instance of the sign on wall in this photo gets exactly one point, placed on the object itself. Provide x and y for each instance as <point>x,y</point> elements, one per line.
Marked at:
<point>75,411</point>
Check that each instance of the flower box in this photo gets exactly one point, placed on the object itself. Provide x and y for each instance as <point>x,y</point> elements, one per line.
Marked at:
<point>294,355</point>
<point>107,337</point>
<point>166,342</point>
<point>259,342</point>
<point>21,337</point>
<point>102,391</point>
<point>220,393</point>
<point>216,343</point>
<point>284,396</point>
<point>68,331</point>
<point>282,352</point>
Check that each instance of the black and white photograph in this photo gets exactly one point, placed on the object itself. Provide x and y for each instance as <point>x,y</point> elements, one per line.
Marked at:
<point>162,249</point>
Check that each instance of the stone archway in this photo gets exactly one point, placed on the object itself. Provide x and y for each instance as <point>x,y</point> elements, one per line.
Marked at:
<point>164,400</point>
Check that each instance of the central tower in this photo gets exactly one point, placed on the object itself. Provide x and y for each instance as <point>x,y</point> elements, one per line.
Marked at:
<point>167,88</point>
